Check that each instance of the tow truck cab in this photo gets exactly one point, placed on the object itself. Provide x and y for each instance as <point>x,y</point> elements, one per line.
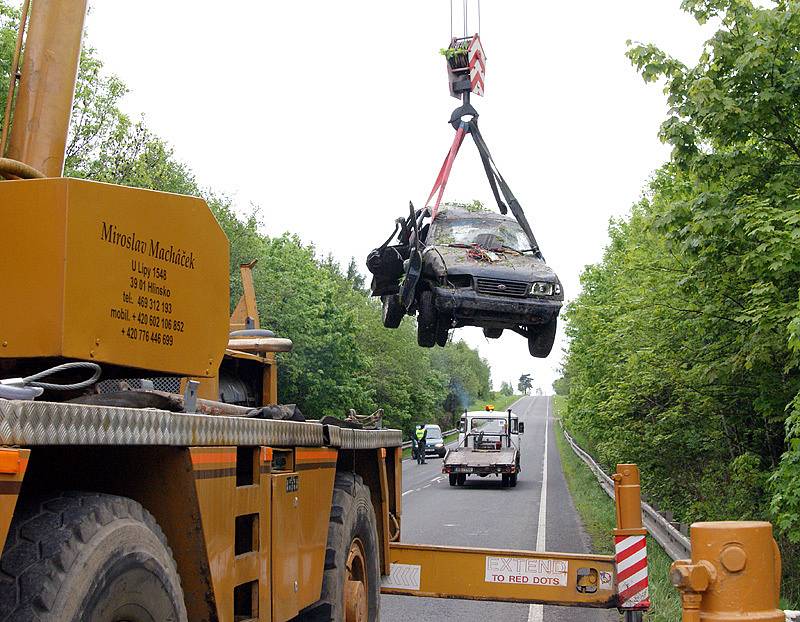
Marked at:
<point>473,420</point>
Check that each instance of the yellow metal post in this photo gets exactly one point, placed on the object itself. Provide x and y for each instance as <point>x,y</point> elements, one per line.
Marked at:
<point>47,85</point>
<point>733,576</point>
<point>630,541</point>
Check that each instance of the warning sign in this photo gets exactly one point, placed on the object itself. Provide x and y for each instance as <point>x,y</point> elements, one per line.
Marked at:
<point>526,571</point>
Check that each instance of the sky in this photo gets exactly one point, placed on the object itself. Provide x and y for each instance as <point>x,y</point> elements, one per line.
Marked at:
<point>331,116</point>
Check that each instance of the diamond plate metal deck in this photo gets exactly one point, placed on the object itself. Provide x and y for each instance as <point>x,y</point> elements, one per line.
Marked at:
<point>50,423</point>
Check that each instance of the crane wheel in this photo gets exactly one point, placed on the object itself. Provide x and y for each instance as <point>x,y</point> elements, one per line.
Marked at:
<point>453,478</point>
<point>78,556</point>
<point>351,583</point>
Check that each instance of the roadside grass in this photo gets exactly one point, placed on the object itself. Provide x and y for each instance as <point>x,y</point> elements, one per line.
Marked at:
<point>598,515</point>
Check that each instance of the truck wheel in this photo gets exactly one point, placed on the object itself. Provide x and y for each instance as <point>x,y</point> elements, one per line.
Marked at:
<point>81,556</point>
<point>541,339</point>
<point>392,311</point>
<point>512,480</point>
<point>453,479</point>
<point>462,479</point>
<point>426,320</point>
<point>504,481</point>
<point>351,583</point>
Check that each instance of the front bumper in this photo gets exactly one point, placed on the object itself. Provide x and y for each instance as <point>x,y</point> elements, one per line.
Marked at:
<point>467,306</point>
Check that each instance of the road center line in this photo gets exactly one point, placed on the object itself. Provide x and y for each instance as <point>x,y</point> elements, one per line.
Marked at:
<point>406,492</point>
<point>536,612</point>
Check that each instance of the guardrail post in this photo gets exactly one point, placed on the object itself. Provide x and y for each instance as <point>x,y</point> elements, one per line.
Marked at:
<point>734,574</point>
<point>630,543</point>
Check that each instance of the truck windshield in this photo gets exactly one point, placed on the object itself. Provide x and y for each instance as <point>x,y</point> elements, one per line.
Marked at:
<point>488,426</point>
<point>466,231</point>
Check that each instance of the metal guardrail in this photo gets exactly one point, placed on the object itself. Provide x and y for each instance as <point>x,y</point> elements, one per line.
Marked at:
<point>671,538</point>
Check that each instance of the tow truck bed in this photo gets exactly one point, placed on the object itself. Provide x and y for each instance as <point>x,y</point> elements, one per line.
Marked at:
<point>480,461</point>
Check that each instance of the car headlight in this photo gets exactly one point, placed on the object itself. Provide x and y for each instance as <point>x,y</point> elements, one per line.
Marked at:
<point>440,444</point>
<point>542,289</point>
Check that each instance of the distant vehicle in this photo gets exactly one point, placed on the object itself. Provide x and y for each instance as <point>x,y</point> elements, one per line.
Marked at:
<point>478,269</point>
<point>488,445</point>
<point>435,442</point>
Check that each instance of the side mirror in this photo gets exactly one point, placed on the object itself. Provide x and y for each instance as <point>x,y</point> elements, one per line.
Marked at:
<point>521,427</point>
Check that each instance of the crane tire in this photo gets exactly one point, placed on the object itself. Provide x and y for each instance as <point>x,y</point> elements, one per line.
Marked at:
<point>352,526</point>
<point>80,556</point>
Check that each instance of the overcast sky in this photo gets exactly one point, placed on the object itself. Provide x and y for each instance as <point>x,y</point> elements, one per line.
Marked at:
<point>331,116</point>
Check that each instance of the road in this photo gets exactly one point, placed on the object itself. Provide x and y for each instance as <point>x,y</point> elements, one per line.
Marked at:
<point>484,514</point>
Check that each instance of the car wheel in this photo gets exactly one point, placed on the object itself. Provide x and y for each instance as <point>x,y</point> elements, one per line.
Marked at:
<point>392,312</point>
<point>541,339</point>
<point>426,320</point>
<point>492,333</point>
<point>443,326</point>
<point>453,479</point>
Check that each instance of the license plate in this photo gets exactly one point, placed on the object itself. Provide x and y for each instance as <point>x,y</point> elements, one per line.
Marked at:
<point>462,470</point>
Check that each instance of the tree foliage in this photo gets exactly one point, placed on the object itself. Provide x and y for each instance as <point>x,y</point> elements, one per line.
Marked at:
<point>343,357</point>
<point>685,339</point>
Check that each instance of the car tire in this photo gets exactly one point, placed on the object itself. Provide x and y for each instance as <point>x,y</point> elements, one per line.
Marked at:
<point>541,339</point>
<point>426,320</point>
<point>492,333</point>
<point>443,331</point>
<point>453,479</point>
<point>392,311</point>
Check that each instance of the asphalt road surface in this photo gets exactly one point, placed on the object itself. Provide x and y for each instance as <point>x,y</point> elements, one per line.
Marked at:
<point>483,514</point>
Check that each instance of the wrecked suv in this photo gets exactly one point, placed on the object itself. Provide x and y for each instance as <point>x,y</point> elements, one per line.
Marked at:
<point>477,269</point>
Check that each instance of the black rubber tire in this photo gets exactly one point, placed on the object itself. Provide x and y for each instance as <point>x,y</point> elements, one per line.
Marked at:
<point>462,479</point>
<point>492,333</point>
<point>443,326</point>
<point>512,480</point>
<point>453,478</point>
<point>352,516</point>
<point>86,557</point>
<point>426,320</point>
<point>504,480</point>
<point>541,339</point>
<point>392,310</point>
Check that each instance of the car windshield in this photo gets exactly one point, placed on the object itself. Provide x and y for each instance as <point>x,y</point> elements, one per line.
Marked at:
<point>434,434</point>
<point>468,231</point>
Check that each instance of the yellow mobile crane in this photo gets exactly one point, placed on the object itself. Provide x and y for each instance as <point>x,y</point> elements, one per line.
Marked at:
<point>135,483</point>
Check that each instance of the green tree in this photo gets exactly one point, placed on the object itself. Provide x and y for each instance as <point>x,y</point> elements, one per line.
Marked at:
<point>525,384</point>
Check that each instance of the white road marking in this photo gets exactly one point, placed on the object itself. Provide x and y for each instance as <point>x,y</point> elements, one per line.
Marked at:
<point>536,612</point>
<point>406,492</point>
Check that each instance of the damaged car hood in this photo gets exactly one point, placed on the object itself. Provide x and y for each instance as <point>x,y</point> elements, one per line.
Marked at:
<point>509,266</point>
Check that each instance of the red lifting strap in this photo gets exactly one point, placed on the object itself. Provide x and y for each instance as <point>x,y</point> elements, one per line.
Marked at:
<point>444,172</point>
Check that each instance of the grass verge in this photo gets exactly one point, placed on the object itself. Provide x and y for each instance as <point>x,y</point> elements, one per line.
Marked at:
<point>597,513</point>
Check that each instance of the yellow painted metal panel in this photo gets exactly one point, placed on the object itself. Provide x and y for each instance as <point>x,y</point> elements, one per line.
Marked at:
<point>33,221</point>
<point>502,575</point>
<point>140,278</point>
<point>286,501</point>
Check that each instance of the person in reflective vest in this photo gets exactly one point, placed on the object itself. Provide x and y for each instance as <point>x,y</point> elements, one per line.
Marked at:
<point>421,434</point>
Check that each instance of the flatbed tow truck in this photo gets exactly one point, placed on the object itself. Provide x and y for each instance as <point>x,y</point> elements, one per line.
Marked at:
<point>488,445</point>
<point>147,471</point>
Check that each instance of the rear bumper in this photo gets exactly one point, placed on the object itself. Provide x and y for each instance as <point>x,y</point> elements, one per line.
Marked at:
<point>467,305</point>
<point>479,469</point>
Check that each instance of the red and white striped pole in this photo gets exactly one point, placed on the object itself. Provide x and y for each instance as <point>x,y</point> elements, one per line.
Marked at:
<point>630,541</point>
